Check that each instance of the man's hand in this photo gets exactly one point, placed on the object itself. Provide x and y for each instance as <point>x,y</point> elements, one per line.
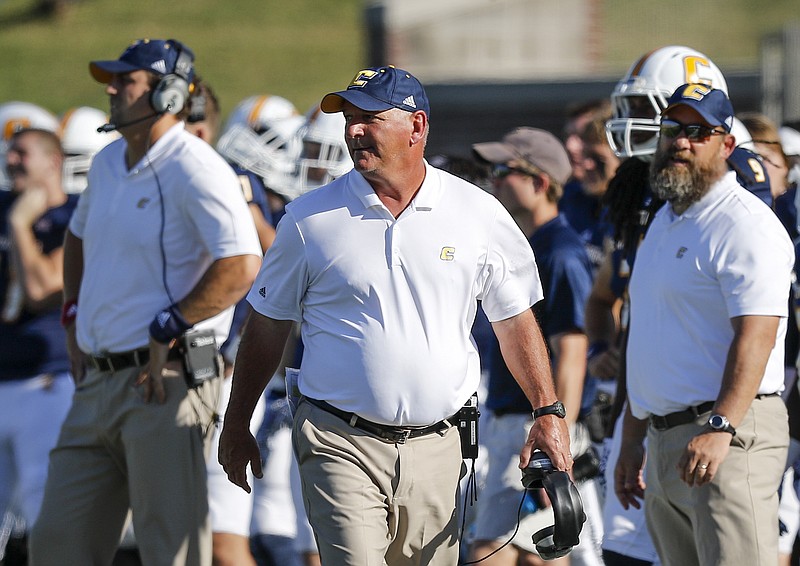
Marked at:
<point>152,376</point>
<point>237,448</point>
<point>77,359</point>
<point>700,461</point>
<point>549,434</point>
<point>628,475</point>
<point>28,207</point>
<point>605,366</point>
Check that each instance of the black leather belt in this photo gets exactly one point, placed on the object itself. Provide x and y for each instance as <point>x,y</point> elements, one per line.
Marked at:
<point>396,434</point>
<point>688,415</point>
<point>680,417</point>
<point>121,360</point>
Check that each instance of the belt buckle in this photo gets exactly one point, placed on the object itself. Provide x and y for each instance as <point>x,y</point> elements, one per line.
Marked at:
<point>401,436</point>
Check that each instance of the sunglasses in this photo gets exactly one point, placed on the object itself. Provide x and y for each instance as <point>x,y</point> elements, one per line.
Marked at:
<point>694,132</point>
<point>503,171</point>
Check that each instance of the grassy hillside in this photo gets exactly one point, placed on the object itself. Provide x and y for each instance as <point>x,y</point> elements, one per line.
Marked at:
<point>298,49</point>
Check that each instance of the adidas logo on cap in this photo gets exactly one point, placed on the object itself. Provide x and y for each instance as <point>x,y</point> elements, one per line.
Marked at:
<point>159,66</point>
<point>409,101</point>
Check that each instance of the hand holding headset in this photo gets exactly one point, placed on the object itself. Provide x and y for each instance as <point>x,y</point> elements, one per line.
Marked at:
<point>557,540</point>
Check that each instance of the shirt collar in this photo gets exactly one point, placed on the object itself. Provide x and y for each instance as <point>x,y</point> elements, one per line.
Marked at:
<point>717,191</point>
<point>426,198</point>
<point>157,149</point>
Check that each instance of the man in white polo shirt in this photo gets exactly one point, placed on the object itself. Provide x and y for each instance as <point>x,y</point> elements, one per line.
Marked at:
<point>383,268</point>
<point>705,352</point>
<point>161,242</point>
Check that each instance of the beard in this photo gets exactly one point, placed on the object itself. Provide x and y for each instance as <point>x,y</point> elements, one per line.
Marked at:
<point>681,186</point>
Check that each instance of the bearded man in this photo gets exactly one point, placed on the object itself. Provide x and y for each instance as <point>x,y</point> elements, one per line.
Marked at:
<point>705,352</point>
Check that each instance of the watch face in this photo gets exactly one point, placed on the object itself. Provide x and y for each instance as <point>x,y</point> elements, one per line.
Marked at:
<point>560,410</point>
<point>717,421</point>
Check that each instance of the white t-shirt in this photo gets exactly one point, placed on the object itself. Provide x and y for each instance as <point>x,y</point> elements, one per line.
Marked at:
<point>387,304</point>
<point>727,256</point>
<point>119,219</point>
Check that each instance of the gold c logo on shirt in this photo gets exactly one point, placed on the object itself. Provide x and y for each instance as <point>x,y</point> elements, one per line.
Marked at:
<point>447,254</point>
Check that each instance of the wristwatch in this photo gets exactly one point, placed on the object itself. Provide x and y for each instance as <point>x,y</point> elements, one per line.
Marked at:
<point>720,423</point>
<point>556,409</point>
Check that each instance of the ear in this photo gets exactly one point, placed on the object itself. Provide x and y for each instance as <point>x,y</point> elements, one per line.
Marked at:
<point>727,146</point>
<point>419,125</point>
<point>541,183</point>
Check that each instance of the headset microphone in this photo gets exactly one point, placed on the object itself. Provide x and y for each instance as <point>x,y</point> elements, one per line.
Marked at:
<point>105,128</point>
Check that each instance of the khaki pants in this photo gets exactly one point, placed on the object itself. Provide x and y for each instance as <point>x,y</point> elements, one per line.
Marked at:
<point>733,520</point>
<point>115,451</point>
<point>372,502</point>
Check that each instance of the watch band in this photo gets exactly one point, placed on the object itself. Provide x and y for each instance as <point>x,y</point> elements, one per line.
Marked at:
<point>556,409</point>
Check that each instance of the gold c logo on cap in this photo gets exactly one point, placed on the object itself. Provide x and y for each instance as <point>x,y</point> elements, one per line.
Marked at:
<point>362,77</point>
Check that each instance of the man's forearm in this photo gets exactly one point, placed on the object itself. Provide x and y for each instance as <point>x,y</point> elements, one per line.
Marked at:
<point>753,341</point>
<point>225,282</point>
<point>259,355</point>
<point>525,353</point>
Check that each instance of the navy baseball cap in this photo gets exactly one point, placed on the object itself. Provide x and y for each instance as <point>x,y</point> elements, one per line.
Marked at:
<point>377,89</point>
<point>533,146</point>
<point>159,56</point>
<point>711,103</point>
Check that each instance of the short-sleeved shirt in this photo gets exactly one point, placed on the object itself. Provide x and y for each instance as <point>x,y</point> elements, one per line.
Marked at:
<point>150,233</point>
<point>566,275</point>
<point>586,215</point>
<point>387,304</point>
<point>726,256</point>
<point>31,343</point>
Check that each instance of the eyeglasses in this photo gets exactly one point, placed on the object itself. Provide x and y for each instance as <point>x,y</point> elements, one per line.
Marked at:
<point>697,133</point>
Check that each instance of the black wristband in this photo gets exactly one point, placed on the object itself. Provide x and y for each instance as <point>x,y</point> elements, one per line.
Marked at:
<point>168,324</point>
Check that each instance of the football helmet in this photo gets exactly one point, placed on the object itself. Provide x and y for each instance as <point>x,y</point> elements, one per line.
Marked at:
<point>81,141</point>
<point>324,155</point>
<point>15,116</point>
<point>641,95</point>
<point>261,136</point>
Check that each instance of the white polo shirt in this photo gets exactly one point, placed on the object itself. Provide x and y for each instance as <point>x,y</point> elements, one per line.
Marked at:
<point>727,256</point>
<point>387,304</point>
<point>119,219</point>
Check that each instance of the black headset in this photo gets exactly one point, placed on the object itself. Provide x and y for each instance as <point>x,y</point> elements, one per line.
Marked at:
<point>557,540</point>
<point>171,93</point>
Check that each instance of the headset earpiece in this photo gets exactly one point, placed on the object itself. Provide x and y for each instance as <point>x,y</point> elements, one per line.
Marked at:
<point>171,93</point>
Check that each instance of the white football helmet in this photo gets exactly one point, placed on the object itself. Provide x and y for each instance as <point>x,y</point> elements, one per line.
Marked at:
<point>261,136</point>
<point>15,116</point>
<point>641,95</point>
<point>81,141</point>
<point>324,154</point>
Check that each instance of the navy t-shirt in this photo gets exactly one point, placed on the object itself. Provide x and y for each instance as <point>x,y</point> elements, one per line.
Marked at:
<point>586,215</point>
<point>566,275</point>
<point>30,343</point>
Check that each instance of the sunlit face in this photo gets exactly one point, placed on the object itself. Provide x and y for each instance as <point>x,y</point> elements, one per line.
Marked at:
<point>515,190</point>
<point>599,165</point>
<point>376,140</point>
<point>27,162</point>
<point>683,170</point>
<point>129,96</point>
<point>776,167</point>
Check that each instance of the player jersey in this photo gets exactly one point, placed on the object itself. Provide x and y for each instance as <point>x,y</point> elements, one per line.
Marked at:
<point>30,343</point>
<point>566,274</point>
<point>585,214</point>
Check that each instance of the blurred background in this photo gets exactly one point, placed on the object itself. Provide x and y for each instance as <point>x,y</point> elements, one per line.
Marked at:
<point>488,65</point>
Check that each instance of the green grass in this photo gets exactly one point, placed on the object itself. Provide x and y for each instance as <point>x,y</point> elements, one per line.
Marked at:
<point>299,49</point>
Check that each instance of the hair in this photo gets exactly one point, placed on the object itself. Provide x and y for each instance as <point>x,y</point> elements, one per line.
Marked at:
<point>600,105</point>
<point>46,139</point>
<point>203,104</point>
<point>626,199</point>
<point>763,130</point>
<point>594,132</point>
